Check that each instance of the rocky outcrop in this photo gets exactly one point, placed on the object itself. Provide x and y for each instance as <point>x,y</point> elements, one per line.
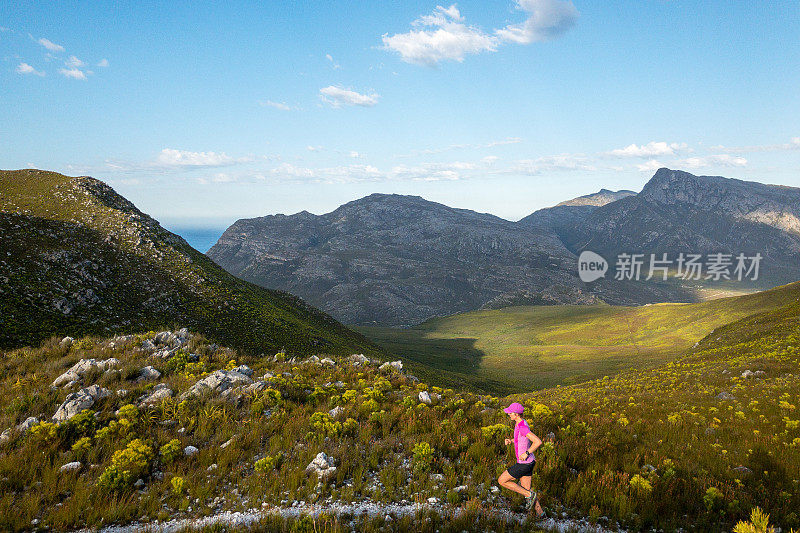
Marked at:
<point>322,465</point>
<point>220,381</point>
<point>83,367</point>
<point>78,401</point>
<point>156,395</point>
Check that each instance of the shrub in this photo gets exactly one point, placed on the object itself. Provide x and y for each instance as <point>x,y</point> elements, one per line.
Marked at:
<point>44,431</point>
<point>171,451</point>
<point>127,465</point>
<point>128,411</point>
<point>490,432</point>
<point>268,464</point>
<point>640,485</point>
<point>178,485</point>
<point>323,423</point>
<point>423,455</point>
<point>82,445</point>
<point>759,523</point>
<point>712,498</point>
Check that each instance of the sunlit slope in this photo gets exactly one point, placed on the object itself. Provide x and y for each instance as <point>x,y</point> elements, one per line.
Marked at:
<point>712,433</point>
<point>528,348</point>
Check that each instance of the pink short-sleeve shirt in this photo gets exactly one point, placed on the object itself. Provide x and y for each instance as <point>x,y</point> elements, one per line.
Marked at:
<point>521,443</point>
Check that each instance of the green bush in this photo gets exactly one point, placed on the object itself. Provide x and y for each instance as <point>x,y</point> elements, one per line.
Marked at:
<point>127,465</point>
<point>171,451</point>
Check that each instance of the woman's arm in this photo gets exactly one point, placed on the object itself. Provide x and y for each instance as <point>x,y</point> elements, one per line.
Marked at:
<point>536,442</point>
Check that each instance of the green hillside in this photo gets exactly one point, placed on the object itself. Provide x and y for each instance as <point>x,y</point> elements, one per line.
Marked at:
<point>78,259</point>
<point>712,433</point>
<point>525,348</point>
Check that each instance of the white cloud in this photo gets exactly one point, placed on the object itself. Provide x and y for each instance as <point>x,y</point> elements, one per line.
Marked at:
<point>50,45</point>
<point>649,166</point>
<point>438,37</point>
<point>72,73</point>
<point>354,154</point>
<point>444,35</point>
<point>103,63</point>
<point>547,20</point>
<point>24,68</point>
<point>315,148</point>
<point>287,169</point>
<point>533,167</point>
<point>74,62</point>
<point>338,97</point>
<point>277,105</point>
<point>725,160</point>
<point>648,150</point>
<point>793,144</point>
<point>334,64</point>
<point>183,158</point>
<point>490,159</point>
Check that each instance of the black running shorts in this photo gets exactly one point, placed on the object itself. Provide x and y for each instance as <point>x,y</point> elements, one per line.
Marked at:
<point>518,470</point>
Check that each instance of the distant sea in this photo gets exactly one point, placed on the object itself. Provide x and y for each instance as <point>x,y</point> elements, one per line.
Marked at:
<point>200,239</point>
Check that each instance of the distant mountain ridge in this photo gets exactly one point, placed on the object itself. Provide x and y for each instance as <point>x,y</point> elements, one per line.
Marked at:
<point>397,260</point>
<point>81,259</point>
<point>680,212</point>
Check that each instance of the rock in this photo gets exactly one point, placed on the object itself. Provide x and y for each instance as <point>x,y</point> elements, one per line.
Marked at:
<point>710,431</point>
<point>747,374</point>
<point>69,467</point>
<point>424,397</point>
<point>268,375</point>
<point>725,396</point>
<point>433,500</point>
<point>227,443</point>
<point>389,366</point>
<point>189,451</point>
<point>649,468</point>
<point>78,401</point>
<point>336,411</point>
<point>122,393</point>
<point>83,367</point>
<point>5,436</point>
<point>328,361</point>
<point>312,360</point>
<point>66,342</point>
<point>359,358</point>
<point>27,424</point>
<point>148,345</point>
<point>139,483</point>
<point>437,477</point>
<point>218,381</point>
<point>759,373</point>
<point>244,369</point>
<point>256,387</point>
<point>160,392</point>
<point>148,373</point>
<point>742,470</point>
<point>340,385</point>
<point>184,333</point>
<point>495,489</point>
<point>211,467</point>
<point>322,465</point>
<point>461,488</point>
<point>551,437</point>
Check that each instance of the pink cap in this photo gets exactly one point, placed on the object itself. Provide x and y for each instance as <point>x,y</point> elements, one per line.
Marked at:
<point>514,408</point>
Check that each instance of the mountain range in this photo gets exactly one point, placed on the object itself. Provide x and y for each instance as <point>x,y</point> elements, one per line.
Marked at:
<point>397,260</point>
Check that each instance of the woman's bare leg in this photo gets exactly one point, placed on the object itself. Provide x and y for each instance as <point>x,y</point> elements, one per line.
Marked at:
<point>505,480</point>
<point>525,481</point>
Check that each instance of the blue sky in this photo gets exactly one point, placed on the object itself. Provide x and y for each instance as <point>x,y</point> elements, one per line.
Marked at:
<point>204,114</point>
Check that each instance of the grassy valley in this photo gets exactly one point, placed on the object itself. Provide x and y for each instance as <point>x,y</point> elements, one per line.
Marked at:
<point>526,348</point>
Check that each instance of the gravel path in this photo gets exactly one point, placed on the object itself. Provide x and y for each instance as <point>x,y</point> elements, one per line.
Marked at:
<point>246,518</point>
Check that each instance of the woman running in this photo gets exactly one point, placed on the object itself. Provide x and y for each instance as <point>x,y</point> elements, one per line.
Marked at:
<point>525,443</point>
